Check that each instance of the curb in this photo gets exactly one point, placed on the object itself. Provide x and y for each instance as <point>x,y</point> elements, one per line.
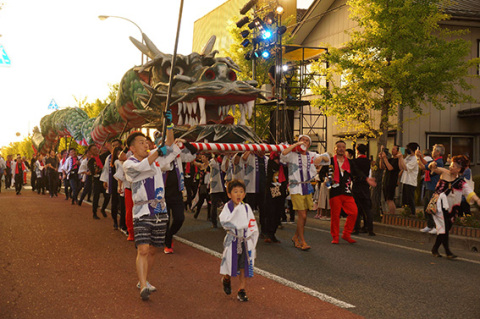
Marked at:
<point>414,234</point>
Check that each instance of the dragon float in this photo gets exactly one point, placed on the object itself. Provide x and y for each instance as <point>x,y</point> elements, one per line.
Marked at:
<point>205,93</point>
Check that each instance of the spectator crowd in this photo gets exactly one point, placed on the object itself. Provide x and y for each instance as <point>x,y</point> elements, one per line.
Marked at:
<point>151,185</point>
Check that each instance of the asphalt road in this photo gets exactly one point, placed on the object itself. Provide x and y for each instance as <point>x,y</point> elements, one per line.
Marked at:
<point>57,262</point>
<point>381,276</point>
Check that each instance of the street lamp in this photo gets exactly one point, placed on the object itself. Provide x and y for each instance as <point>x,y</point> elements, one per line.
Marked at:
<point>103,17</point>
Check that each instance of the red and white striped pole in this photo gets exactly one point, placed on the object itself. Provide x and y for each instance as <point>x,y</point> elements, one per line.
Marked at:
<point>229,147</point>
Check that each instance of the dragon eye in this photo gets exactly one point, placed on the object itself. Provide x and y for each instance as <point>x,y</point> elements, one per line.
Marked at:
<point>210,75</point>
<point>178,70</point>
<point>232,76</point>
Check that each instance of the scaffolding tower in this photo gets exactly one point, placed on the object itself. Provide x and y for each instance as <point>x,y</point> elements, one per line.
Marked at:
<point>294,78</point>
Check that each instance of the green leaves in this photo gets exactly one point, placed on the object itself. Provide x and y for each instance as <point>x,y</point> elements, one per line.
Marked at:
<point>401,55</point>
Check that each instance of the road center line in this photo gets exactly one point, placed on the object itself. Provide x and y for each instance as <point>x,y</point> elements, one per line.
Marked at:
<point>394,245</point>
<point>276,278</point>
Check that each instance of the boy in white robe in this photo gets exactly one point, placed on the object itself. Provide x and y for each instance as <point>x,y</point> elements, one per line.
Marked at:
<point>239,244</point>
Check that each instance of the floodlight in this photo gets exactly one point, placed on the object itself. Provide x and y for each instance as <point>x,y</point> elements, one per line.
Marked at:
<point>242,22</point>
<point>245,33</point>
<point>281,30</point>
<point>269,18</point>
<point>245,43</point>
<point>266,34</point>
<point>248,6</point>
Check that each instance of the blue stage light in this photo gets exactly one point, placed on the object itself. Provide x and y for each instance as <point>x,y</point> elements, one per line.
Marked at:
<point>267,34</point>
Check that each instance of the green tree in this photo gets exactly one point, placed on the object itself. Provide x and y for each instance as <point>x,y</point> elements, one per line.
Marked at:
<point>94,108</point>
<point>23,148</point>
<point>398,57</point>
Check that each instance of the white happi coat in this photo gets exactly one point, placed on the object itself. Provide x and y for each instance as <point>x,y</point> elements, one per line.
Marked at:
<point>83,169</point>
<point>301,169</point>
<point>148,190</point>
<point>241,226</point>
<point>185,157</point>
<point>250,171</point>
<point>216,179</point>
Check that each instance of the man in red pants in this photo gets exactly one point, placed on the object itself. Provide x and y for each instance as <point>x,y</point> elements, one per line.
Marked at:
<point>341,194</point>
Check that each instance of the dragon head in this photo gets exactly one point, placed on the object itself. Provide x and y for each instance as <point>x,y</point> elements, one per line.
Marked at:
<point>203,91</point>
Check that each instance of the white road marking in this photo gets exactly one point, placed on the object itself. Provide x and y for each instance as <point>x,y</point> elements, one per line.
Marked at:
<point>394,245</point>
<point>276,278</point>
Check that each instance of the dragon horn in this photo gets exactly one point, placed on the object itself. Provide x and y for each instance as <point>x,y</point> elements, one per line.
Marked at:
<point>142,48</point>
<point>151,46</point>
<point>209,45</point>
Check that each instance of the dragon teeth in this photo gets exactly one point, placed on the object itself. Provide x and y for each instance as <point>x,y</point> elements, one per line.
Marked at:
<point>250,105</point>
<point>220,110</point>
<point>194,106</point>
<point>203,115</point>
<point>180,106</point>
<point>189,106</point>
<point>242,120</point>
<point>180,119</point>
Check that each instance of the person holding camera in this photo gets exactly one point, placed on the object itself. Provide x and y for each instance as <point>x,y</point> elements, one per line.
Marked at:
<point>409,166</point>
<point>71,170</point>
<point>431,180</point>
<point>391,175</point>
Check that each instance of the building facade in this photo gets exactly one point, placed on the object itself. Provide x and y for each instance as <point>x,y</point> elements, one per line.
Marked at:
<point>456,127</point>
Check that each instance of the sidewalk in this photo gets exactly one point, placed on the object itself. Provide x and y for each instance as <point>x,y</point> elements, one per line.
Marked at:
<point>410,233</point>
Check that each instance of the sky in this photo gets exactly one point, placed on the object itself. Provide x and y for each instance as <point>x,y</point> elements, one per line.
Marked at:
<point>60,50</point>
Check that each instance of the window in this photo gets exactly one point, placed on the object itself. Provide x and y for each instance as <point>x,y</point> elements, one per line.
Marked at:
<point>478,56</point>
<point>454,145</point>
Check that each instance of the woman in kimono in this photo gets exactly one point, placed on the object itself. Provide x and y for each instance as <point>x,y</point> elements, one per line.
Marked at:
<point>450,188</point>
<point>239,244</point>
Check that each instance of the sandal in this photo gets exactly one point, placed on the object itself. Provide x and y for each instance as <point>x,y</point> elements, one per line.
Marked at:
<point>304,246</point>
<point>295,242</point>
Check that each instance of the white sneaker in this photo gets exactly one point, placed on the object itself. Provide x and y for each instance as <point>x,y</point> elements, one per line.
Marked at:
<point>426,230</point>
<point>149,286</point>
<point>433,231</point>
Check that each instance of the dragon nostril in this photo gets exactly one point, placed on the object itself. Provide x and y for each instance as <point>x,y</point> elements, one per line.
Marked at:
<point>232,76</point>
<point>210,75</point>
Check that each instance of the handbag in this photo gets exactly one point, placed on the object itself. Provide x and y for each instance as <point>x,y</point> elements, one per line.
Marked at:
<point>432,204</point>
<point>275,191</point>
